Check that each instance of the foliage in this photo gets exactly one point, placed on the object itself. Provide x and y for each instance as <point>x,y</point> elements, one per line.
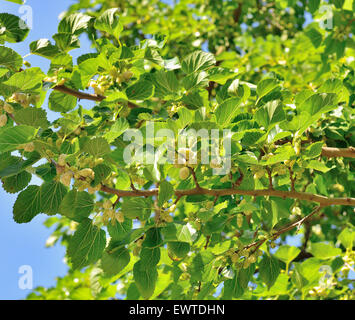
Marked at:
<point>179,231</point>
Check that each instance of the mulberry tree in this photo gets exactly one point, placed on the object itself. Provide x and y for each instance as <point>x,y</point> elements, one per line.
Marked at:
<point>270,96</point>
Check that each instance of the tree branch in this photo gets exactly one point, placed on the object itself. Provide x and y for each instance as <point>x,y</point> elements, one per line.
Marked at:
<point>338,152</point>
<point>78,94</point>
<point>322,200</point>
<point>86,96</point>
<point>237,12</point>
<point>289,227</point>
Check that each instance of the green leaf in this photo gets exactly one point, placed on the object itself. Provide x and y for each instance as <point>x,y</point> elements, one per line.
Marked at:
<point>120,231</point>
<point>166,191</point>
<point>319,166</point>
<point>119,127</point>
<point>150,257</point>
<point>76,205</point>
<point>313,5</point>
<point>266,86</point>
<point>97,147</point>
<point>270,114</point>
<point>102,171</point>
<point>232,289</point>
<point>245,275</point>
<point>29,80</point>
<point>324,251</point>
<point>216,224</point>
<point>179,232</point>
<point>32,117</point>
<point>153,238</point>
<point>226,111</point>
<point>335,86</point>
<point>165,83</point>
<point>15,165</point>
<point>47,171</point>
<point>86,245</point>
<point>52,194</point>
<point>197,61</point>
<point>282,154</point>
<point>61,102</point>
<point>239,89</point>
<point>17,182</point>
<point>44,48</point>
<point>297,278</point>
<point>27,205</point>
<point>75,23</point>
<point>109,22</point>
<point>313,151</point>
<point>66,41</point>
<point>319,103</point>
<point>280,285</point>
<point>13,137</point>
<point>141,90</point>
<point>315,37</point>
<point>347,238</point>
<point>201,268</point>
<point>178,249</point>
<point>16,1</point>
<point>269,270</point>
<point>114,262</point>
<point>12,28</point>
<point>193,100</point>
<point>145,279</point>
<point>3,71</point>
<point>10,59</point>
<point>195,80</point>
<point>310,270</point>
<point>136,207</point>
<point>287,253</point>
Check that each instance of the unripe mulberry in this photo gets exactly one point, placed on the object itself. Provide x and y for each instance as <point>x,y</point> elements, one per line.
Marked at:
<point>3,120</point>
<point>61,160</point>
<point>215,164</point>
<point>8,108</point>
<point>87,173</point>
<point>107,204</point>
<point>120,217</point>
<point>29,147</point>
<point>184,173</point>
<point>240,220</point>
<point>66,178</point>
<point>127,75</point>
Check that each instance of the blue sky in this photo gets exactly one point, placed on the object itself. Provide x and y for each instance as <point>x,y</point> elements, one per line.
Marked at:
<point>24,244</point>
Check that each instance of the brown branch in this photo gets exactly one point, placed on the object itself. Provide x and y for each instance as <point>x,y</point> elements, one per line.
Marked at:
<point>298,223</point>
<point>322,200</point>
<point>240,179</point>
<point>78,94</point>
<point>86,96</point>
<point>11,116</point>
<point>208,238</point>
<point>292,178</point>
<point>193,173</point>
<point>237,13</point>
<point>268,170</point>
<point>338,152</point>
